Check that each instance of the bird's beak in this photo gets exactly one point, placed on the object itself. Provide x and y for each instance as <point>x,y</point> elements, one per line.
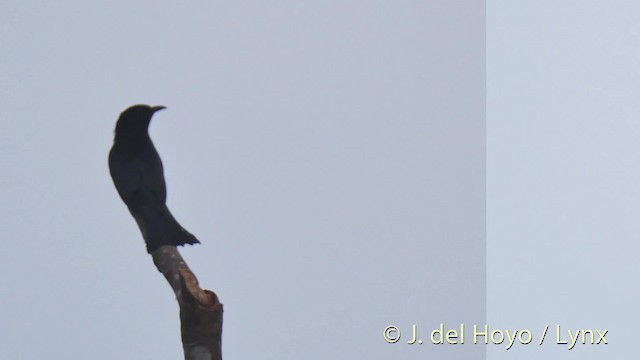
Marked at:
<point>157,108</point>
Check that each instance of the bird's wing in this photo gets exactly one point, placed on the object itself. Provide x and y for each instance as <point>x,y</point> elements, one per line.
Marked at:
<point>139,180</point>
<point>123,173</point>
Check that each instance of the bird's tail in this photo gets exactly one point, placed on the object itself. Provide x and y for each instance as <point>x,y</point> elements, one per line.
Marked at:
<point>159,227</point>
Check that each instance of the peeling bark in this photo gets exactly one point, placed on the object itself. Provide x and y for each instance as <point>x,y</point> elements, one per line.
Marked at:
<point>200,310</point>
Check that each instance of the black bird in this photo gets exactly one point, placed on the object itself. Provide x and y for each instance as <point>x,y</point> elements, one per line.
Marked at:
<point>136,170</point>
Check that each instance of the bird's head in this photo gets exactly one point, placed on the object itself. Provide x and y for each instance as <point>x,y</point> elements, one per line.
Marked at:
<point>135,120</point>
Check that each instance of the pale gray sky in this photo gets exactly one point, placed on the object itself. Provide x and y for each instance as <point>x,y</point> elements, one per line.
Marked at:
<point>330,157</point>
<point>563,170</point>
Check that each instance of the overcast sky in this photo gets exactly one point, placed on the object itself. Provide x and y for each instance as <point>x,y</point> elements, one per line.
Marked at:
<point>331,159</point>
<point>563,172</point>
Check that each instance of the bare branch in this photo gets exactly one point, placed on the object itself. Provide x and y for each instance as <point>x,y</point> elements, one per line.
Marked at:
<point>200,310</point>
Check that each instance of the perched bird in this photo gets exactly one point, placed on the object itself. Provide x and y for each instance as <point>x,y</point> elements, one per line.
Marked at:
<point>136,170</point>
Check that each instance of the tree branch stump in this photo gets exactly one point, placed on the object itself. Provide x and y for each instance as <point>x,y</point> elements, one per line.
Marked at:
<point>200,310</point>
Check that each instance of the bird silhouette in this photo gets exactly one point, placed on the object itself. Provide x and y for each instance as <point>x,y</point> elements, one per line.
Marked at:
<point>137,173</point>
